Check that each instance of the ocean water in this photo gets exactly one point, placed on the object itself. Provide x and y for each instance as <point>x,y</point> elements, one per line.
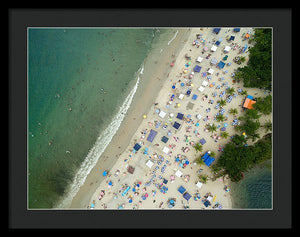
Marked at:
<point>80,85</point>
<point>255,190</point>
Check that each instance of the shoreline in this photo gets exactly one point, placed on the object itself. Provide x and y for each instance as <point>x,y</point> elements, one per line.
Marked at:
<point>130,123</point>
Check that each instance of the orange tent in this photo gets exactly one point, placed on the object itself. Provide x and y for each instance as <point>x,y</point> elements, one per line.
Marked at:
<point>249,103</point>
<point>247,36</point>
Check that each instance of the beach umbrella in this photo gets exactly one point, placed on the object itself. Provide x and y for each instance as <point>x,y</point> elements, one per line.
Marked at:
<point>205,48</point>
<point>197,124</point>
<point>130,201</point>
<point>173,87</point>
<point>225,125</point>
<point>92,205</point>
<point>104,173</point>
<point>182,84</point>
<point>144,116</point>
<point>110,183</point>
<point>189,63</point>
<point>178,105</point>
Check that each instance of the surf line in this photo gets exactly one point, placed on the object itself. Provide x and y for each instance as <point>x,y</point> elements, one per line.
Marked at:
<point>173,37</point>
<point>99,146</point>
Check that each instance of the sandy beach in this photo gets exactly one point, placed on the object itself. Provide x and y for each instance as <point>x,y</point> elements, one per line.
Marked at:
<point>156,174</point>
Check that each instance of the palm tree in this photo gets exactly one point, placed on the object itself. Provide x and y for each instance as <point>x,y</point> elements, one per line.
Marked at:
<point>198,147</point>
<point>222,102</point>
<point>241,60</point>
<point>224,134</point>
<point>212,128</point>
<point>212,154</point>
<point>268,126</point>
<point>255,136</point>
<point>233,111</point>
<point>220,118</point>
<point>244,93</point>
<point>199,161</point>
<point>203,178</point>
<point>230,91</point>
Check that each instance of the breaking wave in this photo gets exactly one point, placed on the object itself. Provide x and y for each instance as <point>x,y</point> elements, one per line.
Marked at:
<point>100,145</point>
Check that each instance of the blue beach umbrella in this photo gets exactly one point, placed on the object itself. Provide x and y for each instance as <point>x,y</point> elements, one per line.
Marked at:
<point>182,84</point>
<point>104,173</point>
<point>225,125</point>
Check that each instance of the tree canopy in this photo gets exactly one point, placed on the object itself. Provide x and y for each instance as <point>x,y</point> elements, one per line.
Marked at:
<point>238,158</point>
<point>258,72</point>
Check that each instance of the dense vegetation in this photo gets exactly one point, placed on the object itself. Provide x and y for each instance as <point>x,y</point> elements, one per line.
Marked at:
<point>238,158</point>
<point>258,72</point>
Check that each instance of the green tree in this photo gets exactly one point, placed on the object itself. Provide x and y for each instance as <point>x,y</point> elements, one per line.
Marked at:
<point>264,105</point>
<point>203,178</point>
<point>222,102</point>
<point>212,128</point>
<point>230,91</point>
<point>267,126</point>
<point>252,114</point>
<point>224,134</point>
<point>212,154</point>
<point>220,117</point>
<point>199,161</point>
<point>238,140</point>
<point>198,147</point>
<point>233,111</point>
<point>249,127</point>
<point>258,72</point>
<point>244,92</point>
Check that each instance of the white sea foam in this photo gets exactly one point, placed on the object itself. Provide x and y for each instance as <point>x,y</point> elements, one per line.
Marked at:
<point>100,145</point>
<point>173,37</point>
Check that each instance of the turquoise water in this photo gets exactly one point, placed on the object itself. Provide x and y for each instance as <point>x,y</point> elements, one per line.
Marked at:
<point>77,81</point>
<point>255,190</point>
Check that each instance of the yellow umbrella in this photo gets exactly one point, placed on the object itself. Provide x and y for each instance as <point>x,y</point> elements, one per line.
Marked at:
<point>178,105</point>
<point>244,133</point>
<point>144,116</point>
<point>192,85</point>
